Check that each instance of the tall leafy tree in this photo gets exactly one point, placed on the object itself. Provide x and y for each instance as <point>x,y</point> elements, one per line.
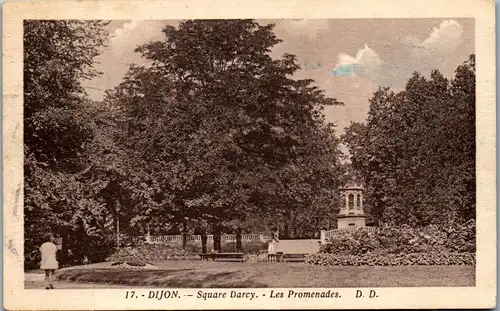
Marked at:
<point>416,151</point>
<point>214,121</point>
<point>58,55</point>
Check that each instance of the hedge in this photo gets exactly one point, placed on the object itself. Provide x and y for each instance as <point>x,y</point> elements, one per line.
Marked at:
<point>423,259</point>
<point>456,239</point>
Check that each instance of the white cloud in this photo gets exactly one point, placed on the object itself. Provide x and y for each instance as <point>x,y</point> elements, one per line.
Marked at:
<point>423,56</point>
<point>447,37</point>
<point>442,40</point>
<point>433,52</point>
<point>124,31</point>
<point>367,63</point>
<point>134,33</point>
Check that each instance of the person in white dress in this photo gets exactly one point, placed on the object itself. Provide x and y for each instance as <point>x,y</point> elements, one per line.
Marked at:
<point>49,262</point>
<point>271,250</point>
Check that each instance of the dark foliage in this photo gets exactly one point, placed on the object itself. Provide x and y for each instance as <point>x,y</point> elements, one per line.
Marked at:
<point>405,240</point>
<point>409,259</point>
<point>416,152</point>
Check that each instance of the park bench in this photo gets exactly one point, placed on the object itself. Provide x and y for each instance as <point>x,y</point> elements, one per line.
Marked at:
<point>223,256</point>
<point>293,257</point>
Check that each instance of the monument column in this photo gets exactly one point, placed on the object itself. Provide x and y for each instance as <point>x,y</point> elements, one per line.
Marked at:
<point>351,212</point>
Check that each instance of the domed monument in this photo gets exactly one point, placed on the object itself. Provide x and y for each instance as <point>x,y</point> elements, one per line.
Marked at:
<point>351,213</point>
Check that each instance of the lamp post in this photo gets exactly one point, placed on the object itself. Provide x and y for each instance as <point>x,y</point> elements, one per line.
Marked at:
<point>117,209</point>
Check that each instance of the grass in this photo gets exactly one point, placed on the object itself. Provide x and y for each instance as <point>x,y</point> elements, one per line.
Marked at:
<point>207,274</point>
<point>72,285</point>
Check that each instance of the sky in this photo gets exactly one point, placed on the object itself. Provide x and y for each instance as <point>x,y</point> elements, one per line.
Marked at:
<point>388,50</point>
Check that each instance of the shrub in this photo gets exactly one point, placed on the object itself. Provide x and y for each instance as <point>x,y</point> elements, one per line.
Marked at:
<point>404,240</point>
<point>425,259</point>
<point>353,243</point>
<point>462,238</point>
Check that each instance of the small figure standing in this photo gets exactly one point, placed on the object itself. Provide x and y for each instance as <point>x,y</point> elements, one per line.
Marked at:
<point>49,262</point>
<point>271,250</point>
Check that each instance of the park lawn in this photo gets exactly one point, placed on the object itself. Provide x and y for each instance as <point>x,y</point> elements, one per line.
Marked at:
<point>207,274</point>
<point>72,285</point>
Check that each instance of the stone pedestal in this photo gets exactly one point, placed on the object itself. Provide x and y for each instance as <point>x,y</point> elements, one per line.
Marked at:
<point>358,221</point>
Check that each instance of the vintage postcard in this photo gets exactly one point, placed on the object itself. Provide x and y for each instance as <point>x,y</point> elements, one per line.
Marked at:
<point>249,155</point>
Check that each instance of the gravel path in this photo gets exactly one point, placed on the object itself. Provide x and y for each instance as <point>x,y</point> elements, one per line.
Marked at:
<point>36,281</point>
<point>68,285</point>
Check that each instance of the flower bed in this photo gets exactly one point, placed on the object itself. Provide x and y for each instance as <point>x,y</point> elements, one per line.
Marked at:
<point>132,265</point>
<point>151,253</point>
<point>424,259</point>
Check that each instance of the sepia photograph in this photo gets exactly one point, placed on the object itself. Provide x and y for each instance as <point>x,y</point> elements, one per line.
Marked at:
<point>248,153</point>
<point>248,159</point>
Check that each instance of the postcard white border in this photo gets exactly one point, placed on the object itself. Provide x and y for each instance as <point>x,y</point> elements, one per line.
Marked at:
<point>483,295</point>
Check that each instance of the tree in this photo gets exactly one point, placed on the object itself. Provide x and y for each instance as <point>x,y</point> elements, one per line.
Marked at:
<point>213,120</point>
<point>58,55</point>
<point>416,152</point>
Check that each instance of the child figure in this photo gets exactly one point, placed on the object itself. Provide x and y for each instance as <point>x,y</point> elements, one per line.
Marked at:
<point>271,250</point>
<point>49,262</point>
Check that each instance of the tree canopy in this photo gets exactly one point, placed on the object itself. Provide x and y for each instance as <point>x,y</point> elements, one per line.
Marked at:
<point>59,133</point>
<point>221,129</point>
<point>416,152</point>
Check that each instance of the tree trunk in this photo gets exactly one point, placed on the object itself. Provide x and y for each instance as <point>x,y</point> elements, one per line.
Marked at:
<point>204,238</point>
<point>184,234</point>
<point>299,233</point>
<point>239,247</point>
<point>286,231</point>
<point>217,238</point>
